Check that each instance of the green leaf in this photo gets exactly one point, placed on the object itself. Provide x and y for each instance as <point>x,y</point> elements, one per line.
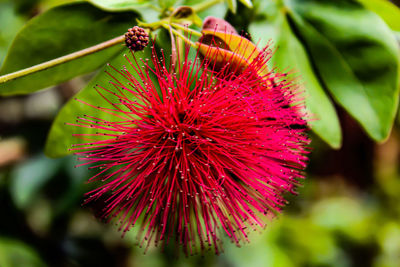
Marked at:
<point>232,4</point>
<point>144,7</point>
<point>58,32</point>
<point>388,11</point>
<point>247,3</point>
<point>356,56</point>
<point>291,55</point>
<point>218,10</point>
<point>60,138</point>
<point>14,23</point>
<point>166,4</point>
<point>120,5</point>
<point>29,177</point>
<point>15,253</point>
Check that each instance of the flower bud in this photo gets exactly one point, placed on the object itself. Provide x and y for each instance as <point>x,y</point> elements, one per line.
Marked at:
<point>136,38</point>
<point>222,45</point>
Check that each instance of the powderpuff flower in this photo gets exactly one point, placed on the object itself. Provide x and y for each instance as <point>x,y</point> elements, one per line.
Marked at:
<point>196,154</point>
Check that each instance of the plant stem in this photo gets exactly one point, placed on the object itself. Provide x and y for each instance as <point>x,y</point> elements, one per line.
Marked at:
<point>90,50</point>
<point>205,5</point>
<point>186,29</point>
<point>61,60</point>
<point>153,25</point>
<point>186,40</point>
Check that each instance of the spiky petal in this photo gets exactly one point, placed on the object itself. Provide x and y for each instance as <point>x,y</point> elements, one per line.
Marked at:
<point>196,153</point>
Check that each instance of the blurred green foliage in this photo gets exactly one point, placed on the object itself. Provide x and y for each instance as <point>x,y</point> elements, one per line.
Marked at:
<point>347,213</point>
<point>15,253</point>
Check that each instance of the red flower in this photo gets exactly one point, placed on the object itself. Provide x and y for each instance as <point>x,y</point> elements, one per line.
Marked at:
<point>197,153</point>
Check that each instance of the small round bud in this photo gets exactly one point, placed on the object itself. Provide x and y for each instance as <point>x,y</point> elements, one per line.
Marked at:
<point>136,38</point>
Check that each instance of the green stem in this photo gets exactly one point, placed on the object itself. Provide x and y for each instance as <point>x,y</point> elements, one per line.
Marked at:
<point>205,5</point>
<point>186,40</point>
<point>90,50</point>
<point>61,60</point>
<point>186,29</point>
<point>153,25</point>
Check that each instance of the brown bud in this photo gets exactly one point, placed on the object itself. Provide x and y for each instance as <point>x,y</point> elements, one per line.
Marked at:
<point>217,24</point>
<point>136,38</point>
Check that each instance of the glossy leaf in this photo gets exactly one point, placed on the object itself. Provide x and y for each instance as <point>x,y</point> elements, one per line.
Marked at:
<point>14,23</point>
<point>356,56</point>
<point>120,5</point>
<point>141,6</point>
<point>60,138</point>
<point>388,11</point>
<point>218,10</point>
<point>58,32</point>
<point>291,56</point>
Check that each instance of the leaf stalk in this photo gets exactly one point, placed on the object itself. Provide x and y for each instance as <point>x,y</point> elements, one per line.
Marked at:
<point>61,60</point>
